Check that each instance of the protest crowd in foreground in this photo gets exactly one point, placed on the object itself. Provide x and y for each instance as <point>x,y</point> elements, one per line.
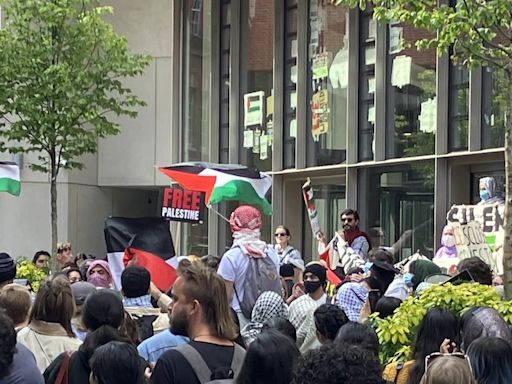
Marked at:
<point>258,314</point>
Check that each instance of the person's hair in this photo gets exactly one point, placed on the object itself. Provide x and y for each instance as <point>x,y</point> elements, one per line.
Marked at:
<point>54,303</point>
<point>334,363</point>
<point>285,229</point>
<point>359,334</point>
<point>449,369</point>
<point>491,360</point>
<point>270,358</point>
<point>208,288</point>
<point>350,211</point>
<point>39,254</point>
<point>380,254</point>
<point>386,306</point>
<point>102,315</point>
<point>329,319</point>
<point>135,281</point>
<point>7,343</point>
<point>74,269</point>
<point>479,269</point>
<point>69,264</point>
<point>481,322</point>
<point>437,325</point>
<point>281,325</point>
<point>16,301</point>
<point>61,247</point>
<point>117,363</point>
<point>211,261</point>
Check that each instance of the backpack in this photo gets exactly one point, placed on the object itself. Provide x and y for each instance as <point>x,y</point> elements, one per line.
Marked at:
<point>261,276</point>
<point>144,325</point>
<point>201,370</point>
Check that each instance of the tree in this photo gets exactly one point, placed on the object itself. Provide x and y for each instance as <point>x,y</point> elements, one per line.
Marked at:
<point>476,33</point>
<point>61,72</point>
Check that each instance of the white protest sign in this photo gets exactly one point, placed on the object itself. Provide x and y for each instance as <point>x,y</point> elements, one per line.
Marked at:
<point>471,241</point>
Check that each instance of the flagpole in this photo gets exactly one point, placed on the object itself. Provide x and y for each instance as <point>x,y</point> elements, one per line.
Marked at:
<point>218,213</point>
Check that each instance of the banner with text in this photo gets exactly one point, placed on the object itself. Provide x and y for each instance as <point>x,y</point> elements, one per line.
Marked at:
<point>182,205</point>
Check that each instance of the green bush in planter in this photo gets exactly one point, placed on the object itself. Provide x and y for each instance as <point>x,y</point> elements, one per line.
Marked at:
<point>397,332</point>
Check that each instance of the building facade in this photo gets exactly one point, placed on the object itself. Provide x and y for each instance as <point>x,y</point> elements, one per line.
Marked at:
<point>298,89</point>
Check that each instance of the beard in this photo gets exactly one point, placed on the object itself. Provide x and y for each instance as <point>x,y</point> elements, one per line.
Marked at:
<point>178,324</point>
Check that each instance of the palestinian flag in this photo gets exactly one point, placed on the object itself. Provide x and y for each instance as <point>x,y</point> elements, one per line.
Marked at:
<point>10,178</point>
<point>222,182</point>
<point>144,241</point>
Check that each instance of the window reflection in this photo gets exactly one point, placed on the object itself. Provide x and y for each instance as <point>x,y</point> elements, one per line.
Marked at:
<point>495,88</point>
<point>411,99</point>
<point>328,76</point>
<point>458,108</point>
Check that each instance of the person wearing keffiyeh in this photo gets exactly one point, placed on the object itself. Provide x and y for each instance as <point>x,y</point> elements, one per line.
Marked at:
<point>302,317</point>
<point>351,298</point>
<point>268,306</point>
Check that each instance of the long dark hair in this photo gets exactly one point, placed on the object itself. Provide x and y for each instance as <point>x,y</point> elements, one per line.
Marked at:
<point>270,358</point>
<point>117,363</point>
<point>359,334</point>
<point>437,325</point>
<point>491,360</point>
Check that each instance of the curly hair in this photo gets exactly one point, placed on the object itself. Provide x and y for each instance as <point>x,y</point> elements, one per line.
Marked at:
<point>329,319</point>
<point>338,364</point>
<point>7,343</point>
<point>480,271</point>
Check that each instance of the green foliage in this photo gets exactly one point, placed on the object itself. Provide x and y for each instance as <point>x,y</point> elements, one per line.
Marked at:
<point>26,270</point>
<point>61,71</point>
<point>397,332</point>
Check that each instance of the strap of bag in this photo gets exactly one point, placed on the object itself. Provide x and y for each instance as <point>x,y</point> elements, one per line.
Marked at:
<point>399,367</point>
<point>196,361</point>
<point>238,360</point>
<point>62,376</point>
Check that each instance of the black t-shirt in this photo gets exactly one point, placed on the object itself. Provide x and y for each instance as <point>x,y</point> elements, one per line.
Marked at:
<point>173,368</point>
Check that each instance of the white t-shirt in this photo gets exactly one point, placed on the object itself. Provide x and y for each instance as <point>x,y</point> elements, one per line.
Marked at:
<point>233,267</point>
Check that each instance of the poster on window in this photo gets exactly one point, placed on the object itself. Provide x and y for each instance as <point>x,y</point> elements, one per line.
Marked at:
<point>320,65</point>
<point>320,113</point>
<point>253,108</point>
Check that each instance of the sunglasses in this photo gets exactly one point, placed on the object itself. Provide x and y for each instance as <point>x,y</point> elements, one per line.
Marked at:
<point>347,219</point>
<point>280,235</point>
<point>430,358</point>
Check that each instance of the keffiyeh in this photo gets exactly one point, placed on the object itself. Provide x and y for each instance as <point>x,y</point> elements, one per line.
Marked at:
<point>302,318</point>
<point>351,298</point>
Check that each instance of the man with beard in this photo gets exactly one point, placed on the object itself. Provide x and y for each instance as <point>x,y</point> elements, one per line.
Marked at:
<point>200,311</point>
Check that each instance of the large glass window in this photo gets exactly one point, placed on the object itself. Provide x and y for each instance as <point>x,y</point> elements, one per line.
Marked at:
<point>495,88</point>
<point>367,58</point>
<point>225,56</point>
<point>196,79</point>
<point>328,79</point>
<point>400,204</point>
<point>256,77</point>
<point>411,93</point>
<point>290,83</point>
<point>458,108</point>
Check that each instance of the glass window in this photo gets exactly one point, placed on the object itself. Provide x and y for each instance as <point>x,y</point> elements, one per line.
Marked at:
<point>290,83</point>
<point>225,56</point>
<point>411,97</point>
<point>400,204</point>
<point>366,86</point>
<point>328,76</point>
<point>495,88</point>
<point>458,108</point>
<point>256,77</point>
<point>196,79</point>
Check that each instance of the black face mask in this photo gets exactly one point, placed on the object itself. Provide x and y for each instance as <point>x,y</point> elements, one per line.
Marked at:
<point>312,286</point>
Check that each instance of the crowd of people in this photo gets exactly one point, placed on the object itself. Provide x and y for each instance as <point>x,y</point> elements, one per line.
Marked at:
<point>258,314</point>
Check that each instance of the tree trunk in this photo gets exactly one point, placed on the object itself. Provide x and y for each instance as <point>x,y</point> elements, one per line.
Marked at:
<point>507,221</point>
<point>53,204</point>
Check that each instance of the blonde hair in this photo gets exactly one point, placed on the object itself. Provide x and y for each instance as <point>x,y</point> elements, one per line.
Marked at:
<point>16,301</point>
<point>448,370</point>
<point>208,288</point>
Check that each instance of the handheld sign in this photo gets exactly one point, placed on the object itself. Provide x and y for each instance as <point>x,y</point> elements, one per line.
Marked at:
<point>182,205</point>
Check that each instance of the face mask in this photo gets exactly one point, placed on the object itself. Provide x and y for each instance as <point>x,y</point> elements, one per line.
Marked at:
<point>448,240</point>
<point>484,194</point>
<point>312,286</point>
<point>98,280</point>
<point>366,268</point>
<point>408,279</point>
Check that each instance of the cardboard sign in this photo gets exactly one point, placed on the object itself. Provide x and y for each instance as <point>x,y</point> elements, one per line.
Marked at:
<point>471,241</point>
<point>182,205</point>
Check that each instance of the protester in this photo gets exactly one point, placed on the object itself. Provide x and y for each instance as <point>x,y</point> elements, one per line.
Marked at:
<point>268,305</point>
<point>421,269</point>
<point>16,301</point>
<point>200,311</point>
<point>99,275</point>
<point>245,223</point>
<point>488,193</point>
<point>448,249</point>
<point>482,322</point>
<point>287,253</point>
<point>287,275</point>
<point>351,298</point>
<point>301,315</point>
<point>116,363</point>
<point>64,255</point>
<point>479,270</point>
<point>49,331</point>
<point>282,325</point>
<point>41,259</point>
<point>7,269</point>
<point>315,283</point>
<point>383,274</point>
<point>81,290</point>
<point>102,315</point>
<point>151,349</point>
<point>336,364</point>
<point>438,325</point>
<point>359,334</point>
<point>17,363</point>
<point>74,275</point>
<point>491,360</point>
<point>448,369</point>
<point>328,320</point>
<point>135,283</point>
<point>271,358</point>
